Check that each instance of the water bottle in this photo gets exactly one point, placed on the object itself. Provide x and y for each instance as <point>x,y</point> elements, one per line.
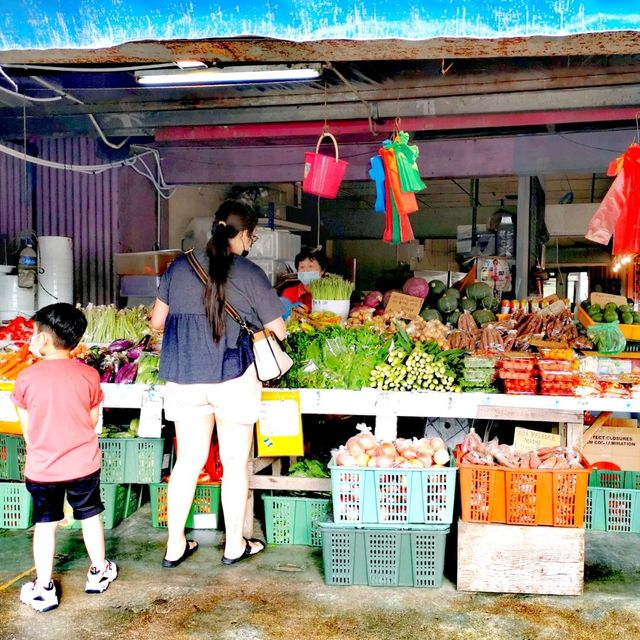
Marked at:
<point>506,237</point>
<point>27,266</point>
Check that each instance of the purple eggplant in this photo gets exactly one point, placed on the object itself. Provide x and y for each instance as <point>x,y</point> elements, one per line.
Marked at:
<point>134,352</point>
<point>107,375</point>
<point>126,373</point>
<point>119,345</point>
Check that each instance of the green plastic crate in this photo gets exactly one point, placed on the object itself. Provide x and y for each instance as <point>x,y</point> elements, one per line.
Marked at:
<point>12,457</point>
<point>411,556</point>
<point>393,496</point>
<point>608,479</point>
<point>632,480</point>
<point>16,506</point>
<point>613,510</point>
<point>131,460</point>
<point>594,514</point>
<point>206,502</point>
<point>294,520</point>
<point>133,500</point>
<point>114,498</point>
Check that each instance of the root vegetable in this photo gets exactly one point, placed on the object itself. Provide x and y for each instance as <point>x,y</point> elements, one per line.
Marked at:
<point>345,459</point>
<point>387,449</point>
<point>354,446</point>
<point>362,460</point>
<point>438,443</point>
<point>441,457</point>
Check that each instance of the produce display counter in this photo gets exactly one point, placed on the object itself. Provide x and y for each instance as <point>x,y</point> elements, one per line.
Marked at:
<point>386,407</point>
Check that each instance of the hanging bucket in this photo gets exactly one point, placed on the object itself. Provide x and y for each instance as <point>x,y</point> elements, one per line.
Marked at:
<point>323,174</point>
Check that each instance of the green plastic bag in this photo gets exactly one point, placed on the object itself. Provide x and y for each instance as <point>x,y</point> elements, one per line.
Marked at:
<point>607,337</point>
<point>407,156</point>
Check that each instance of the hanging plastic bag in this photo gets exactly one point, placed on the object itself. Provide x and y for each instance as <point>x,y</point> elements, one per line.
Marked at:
<point>626,237</point>
<point>376,173</point>
<point>407,156</point>
<point>607,337</point>
<point>405,202</point>
<point>603,223</point>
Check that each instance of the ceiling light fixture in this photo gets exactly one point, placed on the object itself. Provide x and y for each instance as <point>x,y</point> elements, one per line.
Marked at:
<point>230,75</point>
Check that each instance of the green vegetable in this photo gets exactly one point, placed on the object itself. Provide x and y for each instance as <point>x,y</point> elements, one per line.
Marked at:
<point>490,303</point>
<point>607,337</point>
<point>431,314</point>
<point>148,365</point>
<point>610,307</point>
<point>482,316</point>
<point>309,469</point>
<point>436,289</point>
<point>453,293</point>
<point>106,324</point>
<point>447,304</point>
<point>331,287</point>
<point>597,317</point>
<point>453,318</point>
<point>478,290</point>
<point>636,317</point>
<point>625,308</point>
<point>468,304</point>
<point>610,316</point>
<point>627,318</point>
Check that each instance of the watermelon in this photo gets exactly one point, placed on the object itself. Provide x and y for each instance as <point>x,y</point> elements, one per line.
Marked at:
<point>478,290</point>
<point>467,304</point>
<point>431,314</point>
<point>447,304</point>
<point>482,316</point>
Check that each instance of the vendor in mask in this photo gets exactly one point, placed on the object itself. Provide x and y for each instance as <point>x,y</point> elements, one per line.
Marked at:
<point>311,264</point>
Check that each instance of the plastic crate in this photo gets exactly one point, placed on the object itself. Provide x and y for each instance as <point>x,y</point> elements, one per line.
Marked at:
<point>293,520</point>
<point>133,500</point>
<point>12,457</point>
<point>206,502</point>
<point>114,498</point>
<point>383,557</point>
<point>16,506</point>
<point>393,496</point>
<point>523,496</point>
<point>131,460</point>
<point>608,479</point>
<point>613,510</point>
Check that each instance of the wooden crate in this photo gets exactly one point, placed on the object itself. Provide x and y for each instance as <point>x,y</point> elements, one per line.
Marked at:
<point>504,558</point>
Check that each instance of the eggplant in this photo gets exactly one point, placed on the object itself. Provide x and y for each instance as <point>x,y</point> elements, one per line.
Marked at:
<point>107,375</point>
<point>127,373</point>
<point>134,352</point>
<point>119,345</point>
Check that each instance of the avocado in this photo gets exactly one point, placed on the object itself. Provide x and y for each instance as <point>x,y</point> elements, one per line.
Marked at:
<point>610,316</point>
<point>610,306</point>
<point>627,318</point>
<point>597,317</point>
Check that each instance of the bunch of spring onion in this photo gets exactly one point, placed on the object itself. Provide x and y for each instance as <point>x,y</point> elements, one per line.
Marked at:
<point>424,368</point>
<point>331,287</point>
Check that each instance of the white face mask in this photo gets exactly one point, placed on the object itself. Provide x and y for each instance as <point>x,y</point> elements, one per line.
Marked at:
<point>32,346</point>
<point>306,277</point>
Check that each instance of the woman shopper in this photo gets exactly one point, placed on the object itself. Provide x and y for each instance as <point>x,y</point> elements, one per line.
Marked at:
<point>207,381</point>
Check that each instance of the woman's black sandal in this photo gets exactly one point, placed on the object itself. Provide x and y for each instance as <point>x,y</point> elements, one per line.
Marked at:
<point>190,548</point>
<point>247,553</point>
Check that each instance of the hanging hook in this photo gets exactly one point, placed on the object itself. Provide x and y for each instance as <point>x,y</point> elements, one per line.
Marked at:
<point>444,71</point>
<point>325,128</point>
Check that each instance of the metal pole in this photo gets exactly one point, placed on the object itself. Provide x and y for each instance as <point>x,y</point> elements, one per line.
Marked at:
<point>522,237</point>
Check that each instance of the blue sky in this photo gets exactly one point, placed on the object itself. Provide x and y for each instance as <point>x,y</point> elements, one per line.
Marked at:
<point>27,24</point>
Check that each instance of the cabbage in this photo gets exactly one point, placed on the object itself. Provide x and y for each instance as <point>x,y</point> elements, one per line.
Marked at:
<point>417,287</point>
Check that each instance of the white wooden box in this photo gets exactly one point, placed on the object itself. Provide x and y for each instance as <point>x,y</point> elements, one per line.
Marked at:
<point>502,558</point>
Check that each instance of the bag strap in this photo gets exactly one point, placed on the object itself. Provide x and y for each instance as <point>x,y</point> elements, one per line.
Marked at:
<point>203,276</point>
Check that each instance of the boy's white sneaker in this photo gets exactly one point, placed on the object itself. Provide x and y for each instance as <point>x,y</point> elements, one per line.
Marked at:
<point>39,598</point>
<point>98,581</point>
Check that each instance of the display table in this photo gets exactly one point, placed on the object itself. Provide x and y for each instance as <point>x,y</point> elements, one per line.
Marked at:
<point>388,406</point>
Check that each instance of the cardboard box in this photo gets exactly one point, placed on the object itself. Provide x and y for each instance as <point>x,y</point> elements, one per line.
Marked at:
<point>438,255</point>
<point>618,448</point>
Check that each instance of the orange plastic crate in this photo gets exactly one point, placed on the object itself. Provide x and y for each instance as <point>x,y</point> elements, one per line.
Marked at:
<point>523,496</point>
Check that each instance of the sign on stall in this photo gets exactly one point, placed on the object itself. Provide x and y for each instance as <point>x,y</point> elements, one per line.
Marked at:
<point>9,421</point>
<point>525,440</point>
<point>279,429</point>
<point>406,306</point>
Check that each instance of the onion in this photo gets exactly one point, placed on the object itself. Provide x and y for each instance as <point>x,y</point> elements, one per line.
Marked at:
<point>362,460</point>
<point>409,452</point>
<point>415,463</point>
<point>441,457</point>
<point>373,461</point>
<point>367,440</point>
<point>384,462</point>
<point>438,443</point>
<point>427,461</point>
<point>387,449</point>
<point>399,461</point>
<point>354,446</point>
<point>372,299</point>
<point>345,459</point>
<point>425,449</point>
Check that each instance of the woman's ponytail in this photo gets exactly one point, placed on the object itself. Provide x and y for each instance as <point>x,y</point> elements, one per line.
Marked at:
<point>232,218</point>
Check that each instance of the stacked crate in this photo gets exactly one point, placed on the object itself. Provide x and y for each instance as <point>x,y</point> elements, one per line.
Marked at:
<point>521,530</point>
<point>389,526</point>
<point>613,501</point>
<point>127,465</point>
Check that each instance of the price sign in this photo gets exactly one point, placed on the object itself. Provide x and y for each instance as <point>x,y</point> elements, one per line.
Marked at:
<point>528,440</point>
<point>406,306</point>
<point>279,429</point>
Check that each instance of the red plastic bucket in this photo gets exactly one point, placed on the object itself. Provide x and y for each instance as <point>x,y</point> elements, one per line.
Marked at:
<point>323,174</point>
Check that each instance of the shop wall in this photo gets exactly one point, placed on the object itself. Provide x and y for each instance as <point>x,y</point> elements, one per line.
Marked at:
<point>137,212</point>
<point>15,200</point>
<point>85,208</point>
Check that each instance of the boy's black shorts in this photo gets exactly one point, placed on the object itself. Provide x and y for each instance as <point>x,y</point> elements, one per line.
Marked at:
<point>83,495</point>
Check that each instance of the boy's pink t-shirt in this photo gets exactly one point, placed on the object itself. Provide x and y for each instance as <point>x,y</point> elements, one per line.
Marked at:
<point>58,395</point>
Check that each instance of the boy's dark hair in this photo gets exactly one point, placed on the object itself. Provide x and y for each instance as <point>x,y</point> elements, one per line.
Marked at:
<point>65,323</point>
<point>309,253</point>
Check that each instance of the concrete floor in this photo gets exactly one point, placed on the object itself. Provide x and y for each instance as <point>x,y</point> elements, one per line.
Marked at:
<point>281,594</point>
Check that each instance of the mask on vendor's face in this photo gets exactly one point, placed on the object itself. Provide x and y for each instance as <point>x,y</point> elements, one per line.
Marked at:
<point>306,277</point>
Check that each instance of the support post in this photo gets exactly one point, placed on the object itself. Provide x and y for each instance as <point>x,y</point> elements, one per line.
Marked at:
<point>522,238</point>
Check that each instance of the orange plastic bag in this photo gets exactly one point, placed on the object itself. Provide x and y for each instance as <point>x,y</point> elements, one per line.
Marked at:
<point>405,202</point>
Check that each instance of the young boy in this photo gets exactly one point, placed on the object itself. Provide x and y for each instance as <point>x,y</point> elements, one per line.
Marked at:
<point>58,401</point>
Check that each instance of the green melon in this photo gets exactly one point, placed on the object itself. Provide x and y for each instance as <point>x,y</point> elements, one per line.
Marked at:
<point>431,314</point>
<point>447,304</point>
<point>482,316</point>
<point>468,304</point>
<point>478,290</point>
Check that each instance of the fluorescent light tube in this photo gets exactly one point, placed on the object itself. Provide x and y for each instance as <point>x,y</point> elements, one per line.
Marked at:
<point>229,75</point>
